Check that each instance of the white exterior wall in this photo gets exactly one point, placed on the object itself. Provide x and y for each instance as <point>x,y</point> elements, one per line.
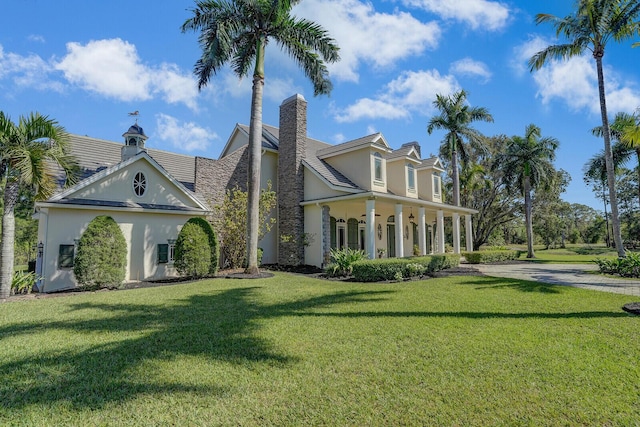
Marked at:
<point>314,188</point>
<point>269,172</point>
<point>313,227</point>
<point>143,231</point>
<point>357,166</point>
<point>118,186</point>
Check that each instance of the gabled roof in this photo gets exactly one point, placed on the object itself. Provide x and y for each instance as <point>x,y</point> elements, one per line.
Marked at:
<point>324,170</point>
<point>64,196</point>
<point>94,155</point>
<point>432,163</point>
<point>375,140</point>
<point>270,137</point>
<point>406,152</point>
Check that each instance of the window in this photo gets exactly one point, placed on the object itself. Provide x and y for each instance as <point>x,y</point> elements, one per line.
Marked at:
<point>436,184</point>
<point>411,177</point>
<point>377,166</point>
<point>139,184</point>
<point>65,256</point>
<point>166,252</point>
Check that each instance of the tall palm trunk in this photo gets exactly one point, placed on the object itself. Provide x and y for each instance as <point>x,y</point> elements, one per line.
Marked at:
<point>8,237</point>
<point>638,155</point>
<point>608,156</point>
<point>456,178</point>
<point>255,148</point>
<point>527,216</point>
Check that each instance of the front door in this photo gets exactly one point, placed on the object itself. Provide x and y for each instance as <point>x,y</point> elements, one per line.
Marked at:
<point>391,240</point>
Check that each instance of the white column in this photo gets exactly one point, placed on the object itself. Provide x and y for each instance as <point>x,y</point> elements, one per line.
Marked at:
<point>456,232</point>
<point>399,232</point>
<point>370,243</point>
<point>440,231</point>
<point>422,232</point>
<point>468,232</point>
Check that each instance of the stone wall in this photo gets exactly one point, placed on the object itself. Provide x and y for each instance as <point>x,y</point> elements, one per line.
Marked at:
<point>291,152</point>
<point>215,177</point>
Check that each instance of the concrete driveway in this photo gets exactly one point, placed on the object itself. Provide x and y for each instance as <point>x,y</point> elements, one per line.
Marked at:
<point>576,275</point>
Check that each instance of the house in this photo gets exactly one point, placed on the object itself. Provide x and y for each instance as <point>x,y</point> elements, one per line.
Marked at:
<point>360,194</point>
<point>148,203</point>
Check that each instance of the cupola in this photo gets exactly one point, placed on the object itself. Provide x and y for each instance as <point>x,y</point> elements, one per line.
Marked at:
<point>134,140</point>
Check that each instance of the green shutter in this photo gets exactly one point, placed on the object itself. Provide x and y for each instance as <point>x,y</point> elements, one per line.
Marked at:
<point>163,253</point>
<point>332,227</point>
<point>352,233</point>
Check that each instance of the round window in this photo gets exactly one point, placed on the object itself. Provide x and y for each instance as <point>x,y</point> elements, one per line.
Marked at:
<point>139,184</point>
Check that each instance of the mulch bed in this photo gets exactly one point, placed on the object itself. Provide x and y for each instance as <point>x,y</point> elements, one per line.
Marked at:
<point>632,307</point>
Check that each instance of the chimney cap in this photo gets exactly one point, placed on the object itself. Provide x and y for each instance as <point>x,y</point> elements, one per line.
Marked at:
<point>296,97</point>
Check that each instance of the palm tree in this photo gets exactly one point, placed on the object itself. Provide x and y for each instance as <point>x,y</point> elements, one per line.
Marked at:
<point>238,32</point>
<point>527,163</point>
<point>456,117</point>
<point>595,170</point>
<point>590,27</point>
<point>29,153</point>
<point>630,138</point>
<point>626,140</point>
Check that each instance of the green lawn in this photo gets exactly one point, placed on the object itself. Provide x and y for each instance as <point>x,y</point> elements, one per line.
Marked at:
<point>573,254</point>
<point>292,350</point>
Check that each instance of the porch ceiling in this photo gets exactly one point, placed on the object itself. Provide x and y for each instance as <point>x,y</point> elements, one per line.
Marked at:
<point>384,202</point>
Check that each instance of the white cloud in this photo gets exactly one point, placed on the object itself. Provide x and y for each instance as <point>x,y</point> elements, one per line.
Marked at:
<point>362,34</point>
<point>36,38</point>
<point>186,136</point>
<point>339,138</point>
<point>112,68</point>
<point>523,52</point>
<point>175,86</point>
<point>412,91</point>
<point>484,14</point>
<point>469,67</point>
<point>575,83</point>
<point>27,71</point>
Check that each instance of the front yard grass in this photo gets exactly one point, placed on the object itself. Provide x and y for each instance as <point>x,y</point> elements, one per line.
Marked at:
<point>572,254</point>
<point>293,350</point>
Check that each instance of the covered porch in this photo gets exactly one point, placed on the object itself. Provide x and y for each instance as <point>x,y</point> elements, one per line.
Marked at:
<point>383,226</point>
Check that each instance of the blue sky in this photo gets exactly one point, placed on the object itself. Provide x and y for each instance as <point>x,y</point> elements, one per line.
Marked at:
<point>89,63</point>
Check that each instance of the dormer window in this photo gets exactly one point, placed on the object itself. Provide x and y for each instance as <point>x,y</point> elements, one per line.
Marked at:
<point>377,166</point>
<point>436,184</point>
<point>411,177</point>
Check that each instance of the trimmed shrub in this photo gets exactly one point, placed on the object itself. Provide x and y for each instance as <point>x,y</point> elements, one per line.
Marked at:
<point>193,251</point>
<point>485,257</point>
<point>378,270</point>
<point>213,242</point>
<point>342,261</point>
<point>101,257</point>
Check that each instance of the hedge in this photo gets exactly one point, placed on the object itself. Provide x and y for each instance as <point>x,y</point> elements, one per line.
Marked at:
<point>378,270</point>
<point>485,257</point>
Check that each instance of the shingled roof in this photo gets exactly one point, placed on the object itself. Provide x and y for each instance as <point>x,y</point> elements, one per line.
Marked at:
<point>94,155</point>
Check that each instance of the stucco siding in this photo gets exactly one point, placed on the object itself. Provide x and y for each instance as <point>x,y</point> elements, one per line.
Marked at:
<point>142,232</point>
<point>356,166</point>
<point>119,186</point>
<point>313,227</point>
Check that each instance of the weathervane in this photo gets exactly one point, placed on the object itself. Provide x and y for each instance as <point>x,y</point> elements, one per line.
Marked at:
<point>135,114</point>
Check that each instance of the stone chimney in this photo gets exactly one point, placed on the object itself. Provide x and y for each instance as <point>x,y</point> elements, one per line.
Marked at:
<point>291,152</point>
